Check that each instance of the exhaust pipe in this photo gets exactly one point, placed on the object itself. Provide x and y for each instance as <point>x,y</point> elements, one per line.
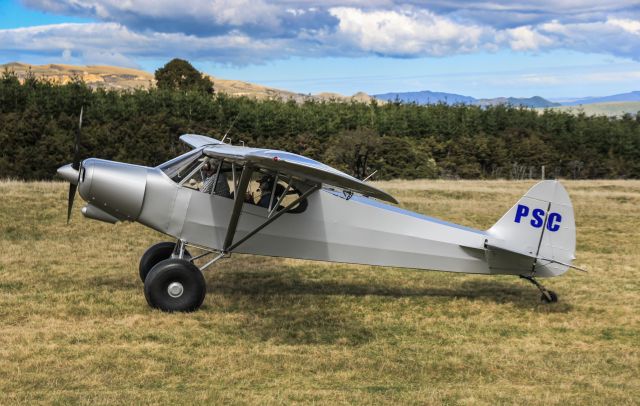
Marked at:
<point>92,212</point>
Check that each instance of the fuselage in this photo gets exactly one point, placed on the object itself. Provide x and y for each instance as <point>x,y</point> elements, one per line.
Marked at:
<point>332,228</point>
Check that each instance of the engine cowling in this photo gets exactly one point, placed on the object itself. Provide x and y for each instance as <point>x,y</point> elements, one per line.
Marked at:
<point>113,187</point>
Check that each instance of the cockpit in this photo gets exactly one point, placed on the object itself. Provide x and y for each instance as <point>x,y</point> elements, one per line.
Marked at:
<point>220,177</point>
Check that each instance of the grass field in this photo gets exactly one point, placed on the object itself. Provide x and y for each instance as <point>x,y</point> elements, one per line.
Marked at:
<point>75,327</point>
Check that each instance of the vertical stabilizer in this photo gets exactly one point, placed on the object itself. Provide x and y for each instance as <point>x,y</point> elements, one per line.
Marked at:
<point>537,233</point>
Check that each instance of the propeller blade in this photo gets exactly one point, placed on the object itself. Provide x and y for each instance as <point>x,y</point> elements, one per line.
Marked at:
<point>72,195</point>
<point>75,165</point>
<point>76,147</point>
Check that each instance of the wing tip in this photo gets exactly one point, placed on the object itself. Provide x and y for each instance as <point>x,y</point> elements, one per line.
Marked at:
<point>197,140</point>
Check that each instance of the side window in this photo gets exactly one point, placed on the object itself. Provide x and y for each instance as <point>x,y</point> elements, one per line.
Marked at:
<point>194,176</point>
<point>223,177</point>
<point>268,190</point>
<point>208,176</point>
<point>178,168</point>
<point>220,178</point>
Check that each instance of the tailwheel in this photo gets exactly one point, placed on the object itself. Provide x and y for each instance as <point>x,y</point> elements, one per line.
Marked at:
<point>155,254</point>
<point>548,296</point>
<point>175,285</point>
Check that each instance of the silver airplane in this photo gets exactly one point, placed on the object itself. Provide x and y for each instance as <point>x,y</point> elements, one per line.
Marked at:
<point>223,199</point>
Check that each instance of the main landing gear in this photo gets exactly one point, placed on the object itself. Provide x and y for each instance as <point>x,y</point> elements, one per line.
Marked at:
<point>156,253</point>
<point>172,282</point>
<point>175,285</point>
<point>548,296</point>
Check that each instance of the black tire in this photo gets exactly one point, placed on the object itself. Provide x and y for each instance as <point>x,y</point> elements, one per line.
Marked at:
<point>154,254</point>
<point>172,273</point>
<point>552,294</point>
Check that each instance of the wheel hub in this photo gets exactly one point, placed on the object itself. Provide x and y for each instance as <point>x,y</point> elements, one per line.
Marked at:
<point>175,289</point>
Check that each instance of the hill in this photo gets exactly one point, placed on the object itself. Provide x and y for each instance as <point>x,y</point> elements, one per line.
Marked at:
<point>621,97</point>
<point>426,97</point>
<point>535,101</point>
<point>429,97</point>
<point>112,77</point>
<point>611,109</point>
<point>109,77</point>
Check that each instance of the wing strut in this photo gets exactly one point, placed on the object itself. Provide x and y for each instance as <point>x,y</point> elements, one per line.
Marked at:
<point>271,219</point>
<point>239,193</point>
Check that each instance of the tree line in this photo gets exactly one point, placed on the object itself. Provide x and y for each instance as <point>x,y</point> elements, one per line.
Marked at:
<point>38,120</point>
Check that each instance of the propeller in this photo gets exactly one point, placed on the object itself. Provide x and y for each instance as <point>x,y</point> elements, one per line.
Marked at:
<point>75,165</point>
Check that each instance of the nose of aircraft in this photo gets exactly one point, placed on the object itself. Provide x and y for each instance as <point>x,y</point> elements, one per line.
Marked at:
<point>114,187</point>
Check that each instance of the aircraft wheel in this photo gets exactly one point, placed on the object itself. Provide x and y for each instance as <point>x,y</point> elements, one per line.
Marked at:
<point>175,285</point>
<point>154,254</point>
<point>552,294</point>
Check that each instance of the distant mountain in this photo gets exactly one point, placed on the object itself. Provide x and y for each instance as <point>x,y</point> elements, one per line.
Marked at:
<point>535,101</point>
<point>622,97</point>
<point>429,97</point>
<point>426,97</point>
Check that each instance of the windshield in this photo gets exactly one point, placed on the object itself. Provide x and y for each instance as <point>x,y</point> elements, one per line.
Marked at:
<point>178,167</point>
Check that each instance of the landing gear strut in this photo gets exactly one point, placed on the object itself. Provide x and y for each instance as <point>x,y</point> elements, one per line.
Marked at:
<point>548,296</point>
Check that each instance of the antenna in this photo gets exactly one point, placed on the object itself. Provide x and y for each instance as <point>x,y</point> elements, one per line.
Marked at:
<point>230,127</point>
<point>367,178</point>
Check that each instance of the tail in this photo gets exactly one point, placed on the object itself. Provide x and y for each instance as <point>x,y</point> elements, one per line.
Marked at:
<point>536,235</point>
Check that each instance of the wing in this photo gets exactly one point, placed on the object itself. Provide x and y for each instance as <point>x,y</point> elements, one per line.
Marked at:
<point>298,166</point>
<point>197,141</point>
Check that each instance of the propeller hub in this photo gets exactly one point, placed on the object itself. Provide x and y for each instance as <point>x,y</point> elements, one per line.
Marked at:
<point>68,173</point>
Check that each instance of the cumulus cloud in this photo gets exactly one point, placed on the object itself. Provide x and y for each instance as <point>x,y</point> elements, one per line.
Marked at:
<point>101,40</point>
<point>196,17</point>
<point>251,31</point>
<point>630,26</point>
<point>525,39</point>
<point>613,36</point>
<point>406,32</point>
<point>503,14</point>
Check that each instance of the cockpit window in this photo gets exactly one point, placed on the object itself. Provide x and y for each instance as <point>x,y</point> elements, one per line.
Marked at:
<point>178,167</point>
<point>270,190</point>
<point>221,179</point>
<point>267,189</point>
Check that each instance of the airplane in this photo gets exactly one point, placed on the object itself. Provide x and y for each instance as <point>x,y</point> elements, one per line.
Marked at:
<point>224,199</point>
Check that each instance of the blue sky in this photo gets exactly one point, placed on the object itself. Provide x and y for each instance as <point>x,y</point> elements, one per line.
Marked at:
<point>554,49</point>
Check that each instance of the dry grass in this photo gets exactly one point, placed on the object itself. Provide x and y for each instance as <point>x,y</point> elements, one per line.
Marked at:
<point>75,327</point>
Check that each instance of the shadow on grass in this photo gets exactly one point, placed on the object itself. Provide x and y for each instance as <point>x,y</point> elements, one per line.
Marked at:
<point>289,282</point>
<point>283,307</point>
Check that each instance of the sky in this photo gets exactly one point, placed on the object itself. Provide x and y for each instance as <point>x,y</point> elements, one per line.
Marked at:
<point>556,49</point>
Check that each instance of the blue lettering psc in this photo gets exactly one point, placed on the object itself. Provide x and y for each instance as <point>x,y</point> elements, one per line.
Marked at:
<point>537,217</point>
<point>553,223</point>
<point>521,211</point>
